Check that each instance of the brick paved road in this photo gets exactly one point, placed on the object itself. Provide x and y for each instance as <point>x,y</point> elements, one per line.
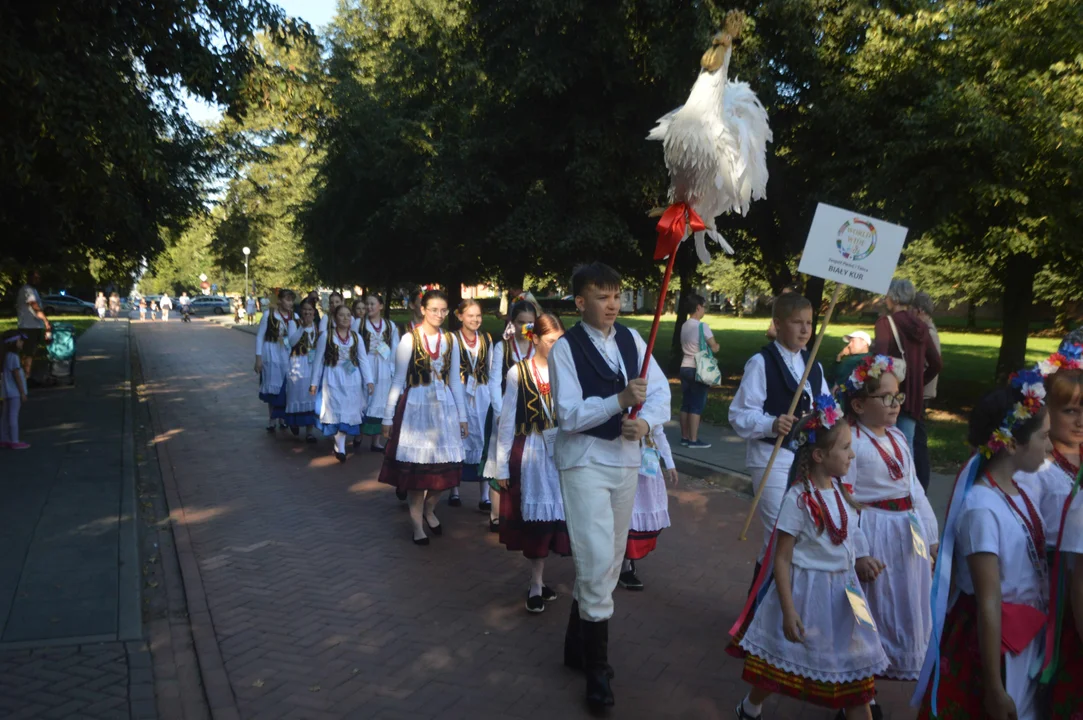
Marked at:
<point>322,608</point>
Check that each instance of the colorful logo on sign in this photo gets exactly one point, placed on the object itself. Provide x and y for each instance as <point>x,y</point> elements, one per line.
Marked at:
<point>856,239</point>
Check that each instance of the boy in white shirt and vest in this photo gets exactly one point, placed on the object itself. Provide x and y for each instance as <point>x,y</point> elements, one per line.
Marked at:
<point>598,450</point>
<point>758,411</point>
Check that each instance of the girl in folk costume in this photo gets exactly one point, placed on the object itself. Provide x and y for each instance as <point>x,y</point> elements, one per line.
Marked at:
<point>425,419</point>
<point>340,371</point>
<point>300,404</point>
<point>1063,374</point>
<point>650,513</point>
<point>990,592</point>
<point>510,351</point>
<point>476,368</point>
<point>1062,512</point>
<point>811,636</point>
<point>532,511</point>
<point>381,337</point>
<point>357,313</point>
<point>327,322</point>
<point>417,314</point>
<point>897,520</point>
<point>273,357</point>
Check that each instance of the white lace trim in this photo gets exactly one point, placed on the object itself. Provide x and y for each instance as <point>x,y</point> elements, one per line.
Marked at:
<point>650,521</point>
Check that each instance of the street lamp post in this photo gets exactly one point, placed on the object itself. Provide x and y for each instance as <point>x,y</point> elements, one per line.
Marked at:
<point>247,251</point>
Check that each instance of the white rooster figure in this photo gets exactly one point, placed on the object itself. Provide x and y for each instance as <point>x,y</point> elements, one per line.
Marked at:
<point>716,143</point>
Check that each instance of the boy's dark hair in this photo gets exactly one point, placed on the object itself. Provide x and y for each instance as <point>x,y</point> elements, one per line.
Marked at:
<point>286,293</point>
<point>596,274</point>
<point>989,414</point>
<point>693,301</point>
<point>787,304</point>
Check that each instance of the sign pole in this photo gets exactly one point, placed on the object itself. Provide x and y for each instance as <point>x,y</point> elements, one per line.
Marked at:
<point>793,407</point>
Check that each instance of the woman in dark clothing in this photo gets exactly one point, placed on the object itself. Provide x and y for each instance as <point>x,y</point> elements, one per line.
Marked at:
<point>902,326</point>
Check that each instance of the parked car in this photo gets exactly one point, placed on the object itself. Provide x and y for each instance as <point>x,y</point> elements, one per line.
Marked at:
<point>67,305</point>
<point>209,304</point>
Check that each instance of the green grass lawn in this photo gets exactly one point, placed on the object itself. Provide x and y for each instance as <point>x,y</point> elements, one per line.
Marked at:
<point>81,322</point>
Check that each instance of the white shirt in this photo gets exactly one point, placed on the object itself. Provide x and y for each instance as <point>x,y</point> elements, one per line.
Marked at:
<point>1048,488</point>
<point>576,414</point>
<point>404,356</point>
<point>27,318</point>
<point>814,550</point>
<point>165,303</point>
<point>746,413</point>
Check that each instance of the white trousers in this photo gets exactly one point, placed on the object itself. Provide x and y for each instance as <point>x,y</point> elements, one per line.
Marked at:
<point>598,503</point>
<point>771,500</point>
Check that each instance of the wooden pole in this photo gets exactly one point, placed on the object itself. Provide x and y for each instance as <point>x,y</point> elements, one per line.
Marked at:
<point>657,321</point>
<point>793,407</point>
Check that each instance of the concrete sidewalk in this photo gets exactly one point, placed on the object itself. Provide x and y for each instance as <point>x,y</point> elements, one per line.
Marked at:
<point>70,617</point>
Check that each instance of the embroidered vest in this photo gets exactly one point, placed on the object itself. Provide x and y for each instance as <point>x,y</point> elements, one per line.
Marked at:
<point>330,354</point>
<point>274,333</point>
<point>596,377</point>
<point>420,370</point>
<point>530,415</point>
<point>367,336</point>
<point>508,363</point>
<point>303,345</point>
<point>781,384</point>
<point>481,370</point>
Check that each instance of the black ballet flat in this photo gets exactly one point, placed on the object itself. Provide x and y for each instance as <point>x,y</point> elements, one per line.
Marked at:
<point>356,443</point>
<point>401,495</point>
<point>421,541</point>
<point>295,430</point>
<point>310,439</point>
<point>341,457</point>
<point>455,502</point>
<point>494,527</point>
<point>438,530</point>
<point>485,506</point>
<point>271,428</point>
<point>375,449</point>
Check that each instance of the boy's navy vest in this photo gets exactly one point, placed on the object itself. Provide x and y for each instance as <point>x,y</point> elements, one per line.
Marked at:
<point>596,377</point>
<point>781,384</point>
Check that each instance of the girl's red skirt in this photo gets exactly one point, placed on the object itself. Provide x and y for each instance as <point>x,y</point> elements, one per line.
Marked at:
<point>406,476</point>
<point>534,539</point>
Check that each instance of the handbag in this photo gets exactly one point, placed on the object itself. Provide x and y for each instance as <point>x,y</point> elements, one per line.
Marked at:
<point>707,371</point>
<point>899,362</point>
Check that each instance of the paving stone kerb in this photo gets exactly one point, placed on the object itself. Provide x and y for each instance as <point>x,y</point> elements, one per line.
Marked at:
<point>323,608</point>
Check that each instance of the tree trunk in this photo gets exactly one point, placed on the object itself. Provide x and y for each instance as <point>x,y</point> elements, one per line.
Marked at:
<point>971,315</point>
<point>454,290</point>
<point>1018,301</point>
<point>686,271</point>
<point>814,291</point>
<point>388,289</point>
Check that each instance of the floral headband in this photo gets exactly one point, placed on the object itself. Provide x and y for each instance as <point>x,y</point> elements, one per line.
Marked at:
<point>528,332</point>
<point>826,413</point>
<point>1032,385</point>
<point>872,366</point>
<point>1068,357</point>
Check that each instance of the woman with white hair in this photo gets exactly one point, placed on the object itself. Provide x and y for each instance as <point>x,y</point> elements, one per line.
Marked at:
<point>902,334</point>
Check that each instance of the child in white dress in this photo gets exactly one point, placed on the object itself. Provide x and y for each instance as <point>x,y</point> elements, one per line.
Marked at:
<point>811,637</point>
<point>532,511</point>
<point>381,337</point>
<point>650,513</point>
<point>511,350</point>
<point>991,590</point>
<point>340,371</point>
<point>895,506</point>
<point>425,419</point>
<point>300,404</point>
<point>273,357</point>
<point>477,363</point>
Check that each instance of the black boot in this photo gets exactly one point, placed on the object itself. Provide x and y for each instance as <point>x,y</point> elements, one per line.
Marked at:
<point>573,640</point>
<point>596,664</point>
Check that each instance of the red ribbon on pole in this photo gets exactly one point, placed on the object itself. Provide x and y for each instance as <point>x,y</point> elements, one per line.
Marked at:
<point>672,227</point>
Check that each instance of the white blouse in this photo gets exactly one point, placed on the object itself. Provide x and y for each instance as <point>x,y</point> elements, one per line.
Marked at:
<point>813,549</point>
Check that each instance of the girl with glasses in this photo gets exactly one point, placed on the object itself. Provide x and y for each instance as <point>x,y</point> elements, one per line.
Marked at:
<point>425,419</point>
<point>896,517</point>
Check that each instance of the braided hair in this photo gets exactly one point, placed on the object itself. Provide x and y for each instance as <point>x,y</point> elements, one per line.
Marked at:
<point>801,470</point>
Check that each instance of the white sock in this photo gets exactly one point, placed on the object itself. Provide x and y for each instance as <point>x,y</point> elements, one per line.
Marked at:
<point>872,702</point>
<point>484,491</point>
<point>750,709</point>
<point>340,443</point>
<point>535,589</point>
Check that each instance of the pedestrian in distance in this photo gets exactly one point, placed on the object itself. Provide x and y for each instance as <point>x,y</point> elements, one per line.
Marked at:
<point>13,391</point>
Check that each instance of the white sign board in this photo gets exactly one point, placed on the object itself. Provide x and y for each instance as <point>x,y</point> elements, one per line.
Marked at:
<point>852,249</point>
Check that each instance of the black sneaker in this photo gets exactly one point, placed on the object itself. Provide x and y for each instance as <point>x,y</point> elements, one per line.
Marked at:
<point>697,445</point>
<point>535,604</point>
<point>455,501</point>
<point>548,594</point>
<point>629,580</point>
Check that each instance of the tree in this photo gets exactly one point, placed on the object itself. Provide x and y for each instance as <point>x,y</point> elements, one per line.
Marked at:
<point>965,122</point>
<point>96,152</point>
